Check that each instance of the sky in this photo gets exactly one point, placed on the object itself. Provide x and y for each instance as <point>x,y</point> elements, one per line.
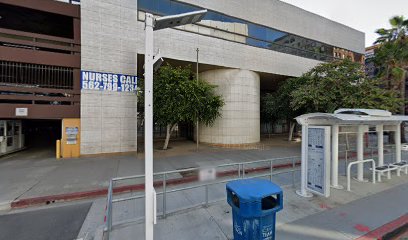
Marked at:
<point>363,15</point>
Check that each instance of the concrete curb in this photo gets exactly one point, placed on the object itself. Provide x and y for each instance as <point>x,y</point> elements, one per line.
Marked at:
<point>386,230</point>
<point>99,233</point>
<point>4,206</point>
<point>45,200</point>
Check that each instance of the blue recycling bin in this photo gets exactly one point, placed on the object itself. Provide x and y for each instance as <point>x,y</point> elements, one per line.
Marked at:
<point>254,203</point>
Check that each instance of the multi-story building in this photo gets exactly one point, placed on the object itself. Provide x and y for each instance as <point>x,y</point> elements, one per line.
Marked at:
<point>40,64</point>
<point>370,67</point>
<point>245,47</point>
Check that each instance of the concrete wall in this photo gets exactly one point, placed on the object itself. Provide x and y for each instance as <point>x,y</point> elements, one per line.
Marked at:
<point>112,36</point>
<point>240,120</point>
<point>182,45</point>
<point>108,38</point>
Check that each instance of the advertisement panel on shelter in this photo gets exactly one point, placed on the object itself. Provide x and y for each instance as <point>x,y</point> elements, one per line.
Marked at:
<point>318,160</point>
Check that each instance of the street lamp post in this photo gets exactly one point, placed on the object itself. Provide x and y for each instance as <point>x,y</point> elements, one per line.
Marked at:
<point>153,62</point>
<point>197,140</point>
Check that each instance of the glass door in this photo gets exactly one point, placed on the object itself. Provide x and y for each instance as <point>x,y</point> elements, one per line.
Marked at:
<point>3,139</point>
<point>9,135</point>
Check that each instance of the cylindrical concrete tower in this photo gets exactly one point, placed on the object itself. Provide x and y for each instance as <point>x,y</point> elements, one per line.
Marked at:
<point>240,120</point>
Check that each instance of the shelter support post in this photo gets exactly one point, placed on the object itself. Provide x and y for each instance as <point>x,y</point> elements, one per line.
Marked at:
<point>335,158</point>
<point>398,143</point>
<point>360,153</point>
<point>302,192</point>
<point>380,144</point>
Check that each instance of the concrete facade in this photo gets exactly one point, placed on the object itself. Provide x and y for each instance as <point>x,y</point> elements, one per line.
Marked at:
<point>108,33</point>
<point>113,35</point>
<point>182,45</point>
<point>240,116</point>
<point>289,18</point>
<point>223,51</point>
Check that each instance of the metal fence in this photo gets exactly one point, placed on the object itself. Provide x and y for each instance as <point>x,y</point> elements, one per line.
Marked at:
<point>243,170</point>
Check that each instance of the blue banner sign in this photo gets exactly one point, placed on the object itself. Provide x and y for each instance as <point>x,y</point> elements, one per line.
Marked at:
<point>108,81</point>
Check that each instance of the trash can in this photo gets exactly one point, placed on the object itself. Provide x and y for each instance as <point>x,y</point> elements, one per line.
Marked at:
<point>254,205</point>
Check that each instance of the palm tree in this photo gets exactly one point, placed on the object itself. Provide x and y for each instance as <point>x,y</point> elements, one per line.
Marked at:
<point>391,57</point>
<point>399,29</point>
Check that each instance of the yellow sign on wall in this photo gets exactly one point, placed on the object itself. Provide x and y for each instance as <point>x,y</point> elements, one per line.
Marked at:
<point>71,137</point>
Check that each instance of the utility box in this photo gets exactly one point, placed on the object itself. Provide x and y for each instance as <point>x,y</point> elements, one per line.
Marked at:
<point>254,203</point>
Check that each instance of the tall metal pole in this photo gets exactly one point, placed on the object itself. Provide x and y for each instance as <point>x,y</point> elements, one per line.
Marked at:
<point>149,191</point>
<point>152,24</point>
<point>197,115</point>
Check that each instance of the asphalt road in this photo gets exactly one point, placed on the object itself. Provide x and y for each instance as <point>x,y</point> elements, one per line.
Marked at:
<point>57,223</point>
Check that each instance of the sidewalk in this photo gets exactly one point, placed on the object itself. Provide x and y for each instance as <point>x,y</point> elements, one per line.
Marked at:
<point>364,213</point>
<point>33,174</point>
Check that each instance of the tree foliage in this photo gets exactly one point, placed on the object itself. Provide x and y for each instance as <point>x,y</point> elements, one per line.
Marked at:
<point>277,105</point>
<point>391,56</point>
<point>179,98</point>
<point>392,60</point>
<point>341,84</point>
<point>398,30</point>
<point>325,88</point>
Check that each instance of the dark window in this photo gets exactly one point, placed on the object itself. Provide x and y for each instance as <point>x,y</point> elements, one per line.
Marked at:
<point>16,129</point>
<point>9,128</point>
<point>9,141</point>
<point>35,21</point>
<point>1,129</point>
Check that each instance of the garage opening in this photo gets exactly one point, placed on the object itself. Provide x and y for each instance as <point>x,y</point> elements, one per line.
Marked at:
<point>41,136</point>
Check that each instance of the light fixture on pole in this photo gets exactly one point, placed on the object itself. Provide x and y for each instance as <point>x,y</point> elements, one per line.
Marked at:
<point>153,63</point>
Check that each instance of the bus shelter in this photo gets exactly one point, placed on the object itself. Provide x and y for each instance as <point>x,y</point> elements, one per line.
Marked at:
<point>320,146</point>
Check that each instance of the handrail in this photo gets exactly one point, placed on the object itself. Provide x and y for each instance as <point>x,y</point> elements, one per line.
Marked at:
<point>356,162</point>
<point>240,175</point>
<point>205,185</point>
<point>108,214</point>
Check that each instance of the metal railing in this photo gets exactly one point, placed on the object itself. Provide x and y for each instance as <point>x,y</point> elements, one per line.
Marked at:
<point>387,147</point>
<point>243,170</point>
<point>36,75</point>
<point>357,162</point>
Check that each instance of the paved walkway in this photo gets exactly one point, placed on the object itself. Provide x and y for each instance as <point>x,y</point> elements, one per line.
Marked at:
<point>351,220</point>
<point>36,173</point>
<point>344,215</point>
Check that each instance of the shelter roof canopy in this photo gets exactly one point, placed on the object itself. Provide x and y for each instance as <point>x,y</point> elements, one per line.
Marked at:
<point>349,116</point>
